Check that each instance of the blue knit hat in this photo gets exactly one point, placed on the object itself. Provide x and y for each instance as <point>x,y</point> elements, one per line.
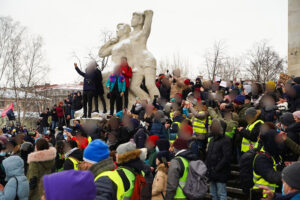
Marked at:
<point>96,151</point>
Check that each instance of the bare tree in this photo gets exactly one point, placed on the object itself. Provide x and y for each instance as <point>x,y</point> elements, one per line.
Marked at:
<point>214,59</point>
<point>167,65</point>
<point>93,52</point>
<point>231,68</point>
<point>22,62</point>
<point>264,63</point>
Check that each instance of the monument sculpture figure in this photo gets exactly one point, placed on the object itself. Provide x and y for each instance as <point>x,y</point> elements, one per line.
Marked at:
<point>133,45</point>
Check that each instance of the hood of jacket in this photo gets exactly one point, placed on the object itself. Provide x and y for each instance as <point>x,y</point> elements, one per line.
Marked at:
<point>13,166</point>
<point>161,167</point>
<point>187,154</point>
<point>44,155</point>
<point>77,153</point>
<point>104,165</point>
<point>295,127</point>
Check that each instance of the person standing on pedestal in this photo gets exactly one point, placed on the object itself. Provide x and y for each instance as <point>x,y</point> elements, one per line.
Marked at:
<point>127,73</point>
<point>89,88</point>
<point>99,87</point>
<point>116,85</point>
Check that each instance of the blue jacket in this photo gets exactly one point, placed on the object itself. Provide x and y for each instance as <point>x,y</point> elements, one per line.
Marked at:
<point>112,80</point>
<point>292,196</point>
<point>158,129</point>
<point>14,168</point>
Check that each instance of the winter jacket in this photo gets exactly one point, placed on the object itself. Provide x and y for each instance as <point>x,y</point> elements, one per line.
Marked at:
<point>40,163</point>
<point>98,82</point>
<point>106,188</point>
<point>293,133</point>
<point>218,159</point>
<point>175,173</point>
<point>158,129</point>
<point>185,92</point>
<point>131,160</point>
<point>127,74</point>
<point>54,115</point>
<point>75,153</point>
<point>140,137</point>
<point>263,166</point>
<point>88,81</point>
<point>251,135</point>
<point>292,196</point>
<point>164,92</point>
<point>59,111</point>
<point>294,147</point>
<point>2,172</point>
<point>44,121</point>
<point>112,80</point>
<point>160,183</point>
<point>14,169</point>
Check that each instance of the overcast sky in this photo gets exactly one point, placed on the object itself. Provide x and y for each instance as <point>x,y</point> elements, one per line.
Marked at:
<point>187,27</point>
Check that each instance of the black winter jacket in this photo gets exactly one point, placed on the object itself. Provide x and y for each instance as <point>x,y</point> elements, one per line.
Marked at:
<point>218,159</point>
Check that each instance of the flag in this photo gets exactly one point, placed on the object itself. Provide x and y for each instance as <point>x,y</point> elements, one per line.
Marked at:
<point>10,107</point>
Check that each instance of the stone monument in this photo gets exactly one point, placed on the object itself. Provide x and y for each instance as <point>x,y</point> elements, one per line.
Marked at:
<point>294,38</point>
<point>133,45</point>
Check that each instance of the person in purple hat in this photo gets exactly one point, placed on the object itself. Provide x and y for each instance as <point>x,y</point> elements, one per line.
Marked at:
<point>70,184</point>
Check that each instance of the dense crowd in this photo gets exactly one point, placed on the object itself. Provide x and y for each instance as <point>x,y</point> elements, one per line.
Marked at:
<point>179,145</point>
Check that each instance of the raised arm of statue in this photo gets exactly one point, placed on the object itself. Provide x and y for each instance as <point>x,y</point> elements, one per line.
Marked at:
<point>147,22</point>
<point>105,50</point>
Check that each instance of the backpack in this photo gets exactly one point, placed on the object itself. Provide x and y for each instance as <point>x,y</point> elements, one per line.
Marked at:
<point>246,169</point>
<point>141,188</point>
<point>196,183</point>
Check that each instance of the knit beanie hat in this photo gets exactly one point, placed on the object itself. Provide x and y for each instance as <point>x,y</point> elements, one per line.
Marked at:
<point>153,139</point>
<point>180,144</point>
<point>291,175</point>
<point>126,147</point>
<point>287,119</point>
<point>163,144</point>
<point>271,84</point>
<point>70,184</point>
<point>187,82</point>
<point>297,114</point>
<point>96,151</point>
<point>239,99</point>
<point>250,112</point>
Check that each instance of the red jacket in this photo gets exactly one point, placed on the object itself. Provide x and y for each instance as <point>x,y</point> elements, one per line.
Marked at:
<point>59,111</point>
<point>127,72</point>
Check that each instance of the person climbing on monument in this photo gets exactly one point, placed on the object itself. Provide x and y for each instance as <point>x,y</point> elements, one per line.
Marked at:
<point>99,88</point>
<point>116,85</point>
<point>127,73</point>
<point>89,87</point>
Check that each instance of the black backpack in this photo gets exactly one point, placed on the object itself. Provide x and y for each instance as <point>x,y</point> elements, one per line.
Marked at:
<point>246,169</point>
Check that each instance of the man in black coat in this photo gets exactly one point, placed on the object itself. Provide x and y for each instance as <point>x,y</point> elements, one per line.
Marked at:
<point>99,90</point>
<point>218,159</point>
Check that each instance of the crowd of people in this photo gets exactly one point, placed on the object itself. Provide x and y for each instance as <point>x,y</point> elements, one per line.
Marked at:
<point>178,146</point>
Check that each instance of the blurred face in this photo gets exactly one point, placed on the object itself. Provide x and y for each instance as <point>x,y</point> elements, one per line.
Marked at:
<point>296,119</point>
<point>149,145</point>
<point>117,69</point>
<point>268,101</point>
<point>249,119</point>
<point>123,61</point>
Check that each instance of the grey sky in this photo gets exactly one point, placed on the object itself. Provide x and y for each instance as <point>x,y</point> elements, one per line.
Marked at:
<point>188,27</point>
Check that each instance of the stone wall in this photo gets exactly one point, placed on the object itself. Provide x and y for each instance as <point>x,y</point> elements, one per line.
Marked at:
<point>294,37</point>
